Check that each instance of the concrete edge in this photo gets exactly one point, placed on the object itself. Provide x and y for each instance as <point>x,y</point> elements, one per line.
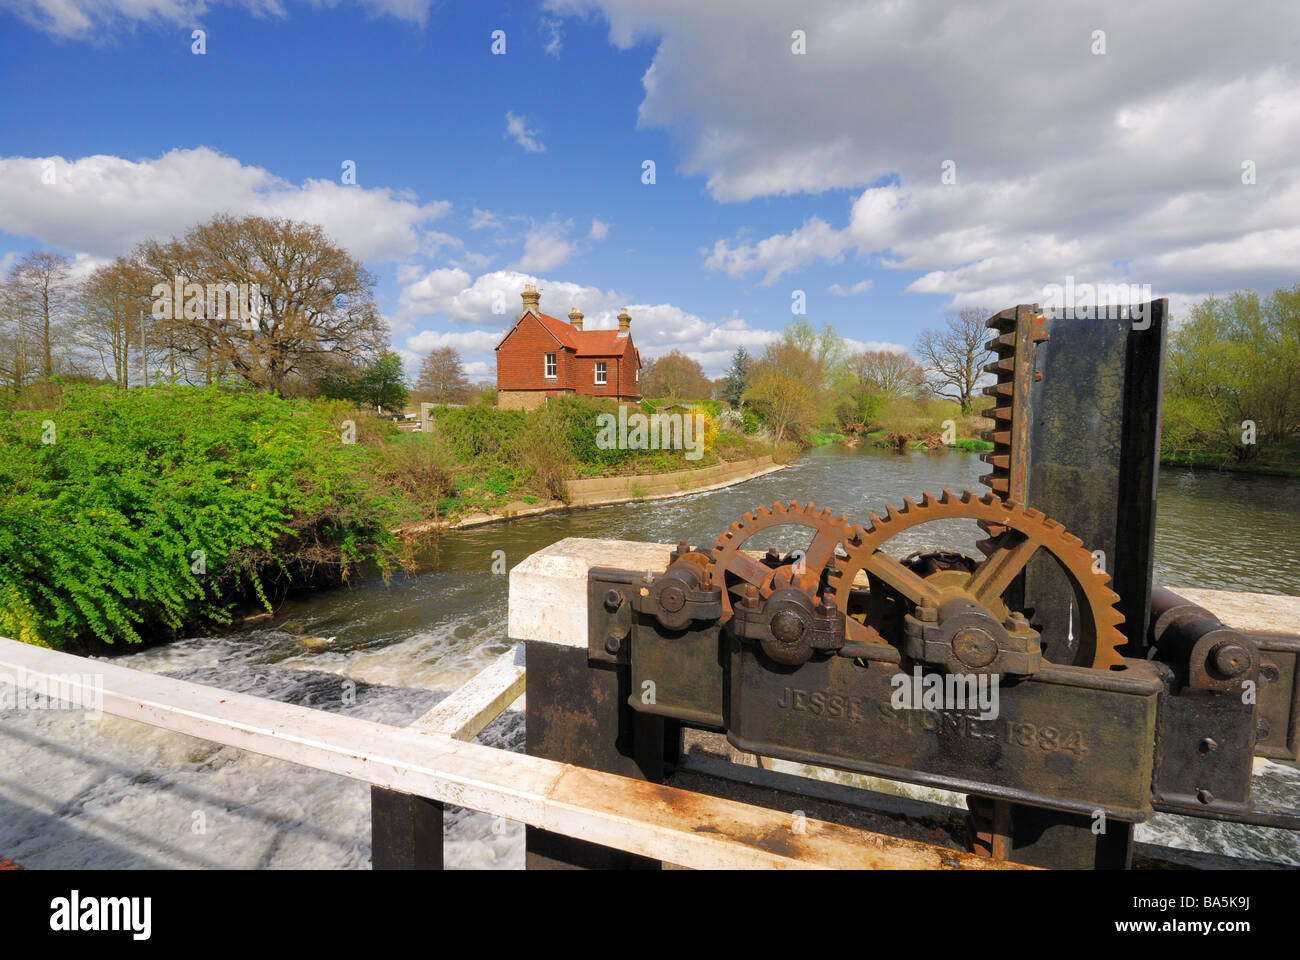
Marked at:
<point>554,506</point>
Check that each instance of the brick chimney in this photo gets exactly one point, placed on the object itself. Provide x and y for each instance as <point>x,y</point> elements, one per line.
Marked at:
<point>624,322</point>
<point>532,299</point>
<point>575,318</point>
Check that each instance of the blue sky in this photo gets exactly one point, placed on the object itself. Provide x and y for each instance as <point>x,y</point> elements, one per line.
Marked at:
<point>775,171</point>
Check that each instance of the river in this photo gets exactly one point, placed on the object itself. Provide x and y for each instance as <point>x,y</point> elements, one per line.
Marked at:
<point>99,792</point>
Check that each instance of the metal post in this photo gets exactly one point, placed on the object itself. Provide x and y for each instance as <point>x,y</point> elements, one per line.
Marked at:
<point>405,831</point>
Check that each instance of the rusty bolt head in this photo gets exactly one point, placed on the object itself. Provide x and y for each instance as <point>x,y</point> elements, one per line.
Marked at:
<point>1230,659</point>
<point>787,626</point>
<point>751,597</point>
<point>927,612</point>
<point>672,599</point>
<point>1016,622</point>
<point>1268,672</point>
<point>974,647</point>
<point>1263,729</point>
<point>613,600</point>
<point>1204,795</point>
<point>612,643</point>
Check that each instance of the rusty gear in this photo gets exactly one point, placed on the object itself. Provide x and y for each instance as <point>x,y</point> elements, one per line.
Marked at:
<point>729,558</point>
<point>1025,532</point>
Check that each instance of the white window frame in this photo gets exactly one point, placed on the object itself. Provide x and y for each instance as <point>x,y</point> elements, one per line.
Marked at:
<point>601,373</point>
<point>550,366</point>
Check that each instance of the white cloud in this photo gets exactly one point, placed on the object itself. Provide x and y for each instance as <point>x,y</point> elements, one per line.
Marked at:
<point>492,302</point>
<point>546,247</point>
<point>779,254</point>
<point>599,231</point>
<point>862,286</point>
<point>465,341</point>
<point>97,20</point>
<point>553,33</point>
<point>493,299</point>
<point>424,296</point>
<point>484,219</point>
<point>1118,167</point>
<point>104,204</point>
<point>517,128</point>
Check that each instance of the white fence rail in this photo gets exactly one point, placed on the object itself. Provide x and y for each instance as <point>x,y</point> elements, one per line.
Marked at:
<point>432,759</point>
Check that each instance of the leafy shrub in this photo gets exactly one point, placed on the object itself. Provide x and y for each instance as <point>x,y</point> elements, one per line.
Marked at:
<point>479,434</point>
<point>151,509</point>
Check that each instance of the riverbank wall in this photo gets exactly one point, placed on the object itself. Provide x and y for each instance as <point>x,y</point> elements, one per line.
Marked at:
<point>606,491</point>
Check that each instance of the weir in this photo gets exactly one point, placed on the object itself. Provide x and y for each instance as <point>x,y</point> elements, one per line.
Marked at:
<point>677,695</point>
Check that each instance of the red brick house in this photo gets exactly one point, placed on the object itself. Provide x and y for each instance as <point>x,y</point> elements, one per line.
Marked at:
<point>542,357</point>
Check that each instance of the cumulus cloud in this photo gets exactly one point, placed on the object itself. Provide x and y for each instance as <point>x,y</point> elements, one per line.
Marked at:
<point>599,231</point>
<point>546,247</point>
<point>492,302</point>
<point>1119,167</point>
<point>102,205</point>
<point>465,341</point>
<point>517,129</point>
<point>779,254</point>
<point>862,286</point>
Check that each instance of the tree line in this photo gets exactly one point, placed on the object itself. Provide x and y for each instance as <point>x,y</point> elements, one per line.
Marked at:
<point>811,379</point>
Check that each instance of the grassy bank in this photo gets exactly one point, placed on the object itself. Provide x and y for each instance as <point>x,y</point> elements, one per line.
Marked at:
<point>1279,459</point>
<point>490,458</point>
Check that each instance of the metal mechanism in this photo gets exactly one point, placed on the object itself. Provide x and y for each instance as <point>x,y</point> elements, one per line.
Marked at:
<point>1048,681</point>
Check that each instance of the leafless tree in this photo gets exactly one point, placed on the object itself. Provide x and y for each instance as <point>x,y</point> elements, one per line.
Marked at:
<point>442,378</point>
<point>675,376</point>
<point>955,356</point>
<point>42,292</point>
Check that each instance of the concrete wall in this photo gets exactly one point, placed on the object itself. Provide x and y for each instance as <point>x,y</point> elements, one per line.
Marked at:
<point>606,489</point>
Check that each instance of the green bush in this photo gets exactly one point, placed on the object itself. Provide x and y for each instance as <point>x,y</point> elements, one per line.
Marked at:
<point>479,434</point>
<point>153,509</point>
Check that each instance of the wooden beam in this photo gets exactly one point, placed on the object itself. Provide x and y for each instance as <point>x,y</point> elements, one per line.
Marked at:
<point>642,818</point>
<point>479,701</point>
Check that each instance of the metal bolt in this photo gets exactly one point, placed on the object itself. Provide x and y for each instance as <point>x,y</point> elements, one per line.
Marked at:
<point>1263,729</point>
<point>672,599</point>
<point>751,597</point>
<point>1208,744</point>
<point>975,648</point>
<point>1230,659</point>
<point>1204,795</point>
<point>927,612</point>
<point>613,600</point>
<point>787,626</point>
<point>1268,673</point>
<point>612,644</point>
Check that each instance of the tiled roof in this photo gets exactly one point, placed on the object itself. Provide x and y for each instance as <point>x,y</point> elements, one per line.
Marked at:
<point>584,343</point>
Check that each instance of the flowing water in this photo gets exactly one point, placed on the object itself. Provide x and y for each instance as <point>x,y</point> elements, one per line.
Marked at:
<point>78,790</point>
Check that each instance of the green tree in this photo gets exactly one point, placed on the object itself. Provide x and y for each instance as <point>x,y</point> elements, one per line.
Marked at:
<point>1232,375</point>
<point>383,383</point>
<point>737,376</point>
<point>784,390</point>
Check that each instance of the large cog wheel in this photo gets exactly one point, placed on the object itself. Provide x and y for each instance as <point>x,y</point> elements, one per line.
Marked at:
<point>1026,531</point>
